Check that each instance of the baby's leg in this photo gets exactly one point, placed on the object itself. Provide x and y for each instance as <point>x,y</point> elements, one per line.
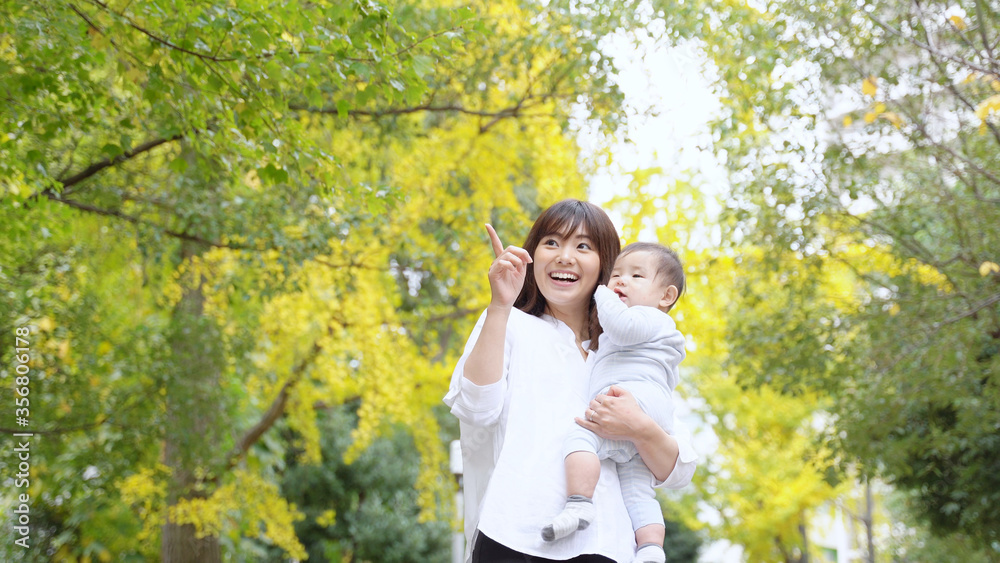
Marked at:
<point>649,542</point>
<point>647,516</point>
<point>583,469</point>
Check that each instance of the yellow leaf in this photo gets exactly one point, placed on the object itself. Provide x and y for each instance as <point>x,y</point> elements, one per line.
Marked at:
<point>45,324</point>
<point>869,87</point>
<point>894,310</point>
<point>870,117</point>
<point>848,120</point>
<point>327,518</point>
<point>995,84</point>
<point>893,118</point>
<point>135,74</point>
<point>986,268</point>
<point>988,106</point>
<point>103,348</point>
<point>958,22</point>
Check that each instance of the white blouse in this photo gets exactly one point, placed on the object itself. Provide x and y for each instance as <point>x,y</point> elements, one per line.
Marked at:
<point>512,434</point>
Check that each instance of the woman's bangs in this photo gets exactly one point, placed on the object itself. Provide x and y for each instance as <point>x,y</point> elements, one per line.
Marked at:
<point>565,221</point>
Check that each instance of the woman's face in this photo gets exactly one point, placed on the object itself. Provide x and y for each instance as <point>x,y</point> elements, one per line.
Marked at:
<point>566,269</point>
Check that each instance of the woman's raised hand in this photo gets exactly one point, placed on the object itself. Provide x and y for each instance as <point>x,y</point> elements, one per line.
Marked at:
<point>507,271</point>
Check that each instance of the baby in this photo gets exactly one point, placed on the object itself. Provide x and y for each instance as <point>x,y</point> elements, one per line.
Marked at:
<point>640,351</point>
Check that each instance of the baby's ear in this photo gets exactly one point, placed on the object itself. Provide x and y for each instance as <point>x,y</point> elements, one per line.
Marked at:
<point>669,297</point>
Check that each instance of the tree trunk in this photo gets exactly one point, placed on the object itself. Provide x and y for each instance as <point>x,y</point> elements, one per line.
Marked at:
<point>180,543</point>
<point>868,520</point>
<point>193,405</point>
<point>805,541</point>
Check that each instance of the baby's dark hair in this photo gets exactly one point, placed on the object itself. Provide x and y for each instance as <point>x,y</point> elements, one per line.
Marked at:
<point>668,263</point>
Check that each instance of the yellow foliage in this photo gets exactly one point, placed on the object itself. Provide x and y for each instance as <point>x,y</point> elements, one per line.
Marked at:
<point>893,118</point>
<point>327,518</point>
<point>870,86</point>
<point>987,107</point>
<point>772,473</point>
<point>986,268</point>
<point>45,324</point>
<point>146,491</point>
<point>250,500</point>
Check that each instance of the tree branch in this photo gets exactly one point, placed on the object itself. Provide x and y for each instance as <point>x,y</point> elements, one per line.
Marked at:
<point>131,219</point>
<point>109,162</point>
<point>158,39</point>
<point>930,49</point>
<point>986,40</point>
<point>407,110</point>
<point>274,412</point>
<point>52,430</point>
<point>972,311</point>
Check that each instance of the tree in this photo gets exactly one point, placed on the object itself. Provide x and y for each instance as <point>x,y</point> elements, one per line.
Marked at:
<point>771,473</point>
<point>366,510</point>
<point>862,140</point>
<point>225,218</point>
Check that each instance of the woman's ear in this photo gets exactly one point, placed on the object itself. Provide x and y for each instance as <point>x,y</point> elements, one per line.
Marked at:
<point>669,297</point>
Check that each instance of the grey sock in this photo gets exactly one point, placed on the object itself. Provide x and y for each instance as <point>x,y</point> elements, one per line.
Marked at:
<point>578,513</point>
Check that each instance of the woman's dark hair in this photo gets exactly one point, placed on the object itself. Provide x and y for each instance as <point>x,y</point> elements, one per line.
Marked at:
<point>564,218</point>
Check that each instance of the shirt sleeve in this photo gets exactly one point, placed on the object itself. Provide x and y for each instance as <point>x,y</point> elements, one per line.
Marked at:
<point>477,405</point>
<point>687,459</point>
<point>627,326</point>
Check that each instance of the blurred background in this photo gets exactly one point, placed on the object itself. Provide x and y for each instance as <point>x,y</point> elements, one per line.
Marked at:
<point>246,242</point>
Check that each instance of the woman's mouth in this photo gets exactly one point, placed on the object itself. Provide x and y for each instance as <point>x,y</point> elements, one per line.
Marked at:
<point>564,278</point>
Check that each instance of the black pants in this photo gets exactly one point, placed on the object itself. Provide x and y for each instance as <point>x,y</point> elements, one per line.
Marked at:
<point>489,551</point>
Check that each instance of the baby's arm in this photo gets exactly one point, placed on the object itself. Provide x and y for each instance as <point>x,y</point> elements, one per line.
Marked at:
<point>626,325</point>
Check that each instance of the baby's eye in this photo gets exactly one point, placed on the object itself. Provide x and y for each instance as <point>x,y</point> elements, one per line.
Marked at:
<point>615,275</point>
<point>636,275</point>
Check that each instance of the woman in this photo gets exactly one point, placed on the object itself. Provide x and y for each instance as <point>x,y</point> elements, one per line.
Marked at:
<point>521,384</point>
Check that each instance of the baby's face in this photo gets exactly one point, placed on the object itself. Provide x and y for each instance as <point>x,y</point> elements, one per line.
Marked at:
<point>634,280</point>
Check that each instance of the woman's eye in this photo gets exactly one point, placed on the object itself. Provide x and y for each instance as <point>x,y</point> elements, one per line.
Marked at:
<point>550,242</point>
<point>584,246</point>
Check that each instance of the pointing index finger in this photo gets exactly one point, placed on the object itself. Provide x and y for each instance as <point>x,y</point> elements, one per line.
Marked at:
<point>495,240</point>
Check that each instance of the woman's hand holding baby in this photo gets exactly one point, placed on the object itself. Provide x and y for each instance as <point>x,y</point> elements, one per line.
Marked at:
<point>615,416</point>
<point>618,416</point>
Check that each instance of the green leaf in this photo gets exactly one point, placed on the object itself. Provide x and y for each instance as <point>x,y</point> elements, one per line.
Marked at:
<point>423,65</point>
<point>343,106</point>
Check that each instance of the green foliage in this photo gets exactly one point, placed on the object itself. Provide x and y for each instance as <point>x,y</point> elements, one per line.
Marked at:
<point>681,544</point>
<point>376,515</point>
<point>863,150</point>
<point>225,216</point>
